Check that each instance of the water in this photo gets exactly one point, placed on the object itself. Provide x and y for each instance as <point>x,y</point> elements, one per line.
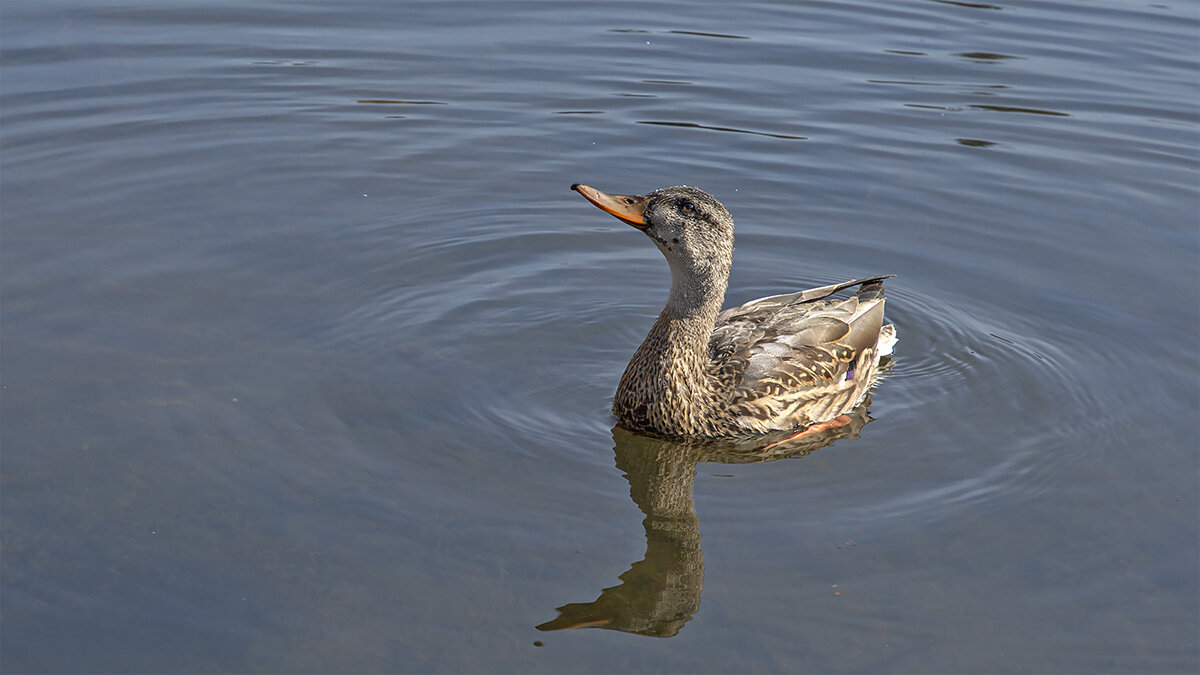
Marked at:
<point>308,348</point>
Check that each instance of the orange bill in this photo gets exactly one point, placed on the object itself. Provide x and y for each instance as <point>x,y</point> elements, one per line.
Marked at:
<point>629,208</point>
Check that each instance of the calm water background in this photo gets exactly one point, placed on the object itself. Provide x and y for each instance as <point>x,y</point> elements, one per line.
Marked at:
<point>308,349</point>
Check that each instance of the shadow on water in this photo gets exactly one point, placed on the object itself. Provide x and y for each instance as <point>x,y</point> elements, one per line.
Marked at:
<point>661,592</point>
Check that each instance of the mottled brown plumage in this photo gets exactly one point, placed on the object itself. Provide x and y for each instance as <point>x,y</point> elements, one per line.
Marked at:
<point>776,363</point>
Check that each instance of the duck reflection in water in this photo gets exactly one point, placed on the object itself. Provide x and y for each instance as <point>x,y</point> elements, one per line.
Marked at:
<point>661,592</point>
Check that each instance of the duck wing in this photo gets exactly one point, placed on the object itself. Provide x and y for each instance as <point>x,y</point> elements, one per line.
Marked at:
<point>796,359</point>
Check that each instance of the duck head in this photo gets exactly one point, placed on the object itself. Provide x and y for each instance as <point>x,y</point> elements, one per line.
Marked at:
<point>693,230</point>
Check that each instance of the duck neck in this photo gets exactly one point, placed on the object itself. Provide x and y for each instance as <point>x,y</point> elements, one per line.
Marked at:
<point>666,386</point>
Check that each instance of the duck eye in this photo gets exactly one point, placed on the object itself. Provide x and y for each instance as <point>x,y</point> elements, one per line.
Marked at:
<point>686,208</point>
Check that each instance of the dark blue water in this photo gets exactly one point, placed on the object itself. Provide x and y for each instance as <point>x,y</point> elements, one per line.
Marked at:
<point>307,348</point>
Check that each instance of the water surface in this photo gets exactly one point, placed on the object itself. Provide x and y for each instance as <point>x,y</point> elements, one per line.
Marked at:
<point>308,348</point>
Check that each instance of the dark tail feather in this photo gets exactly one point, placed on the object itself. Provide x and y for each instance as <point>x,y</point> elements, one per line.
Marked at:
<point>872,287</point>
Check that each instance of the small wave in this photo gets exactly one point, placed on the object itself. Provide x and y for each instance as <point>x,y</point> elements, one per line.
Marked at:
<point>726,36</point>
<point>1024,395</point>
<point>694,125</point>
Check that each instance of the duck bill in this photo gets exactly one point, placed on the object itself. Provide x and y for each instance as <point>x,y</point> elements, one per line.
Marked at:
<point>630,209</point>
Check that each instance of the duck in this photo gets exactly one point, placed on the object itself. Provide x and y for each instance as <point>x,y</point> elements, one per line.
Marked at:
<point>795,362</point>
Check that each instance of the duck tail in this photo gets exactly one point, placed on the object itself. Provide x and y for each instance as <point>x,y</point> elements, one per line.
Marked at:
<point>872,288</point>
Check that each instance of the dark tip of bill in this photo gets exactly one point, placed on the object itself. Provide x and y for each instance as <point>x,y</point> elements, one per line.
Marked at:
<point>574,186</point>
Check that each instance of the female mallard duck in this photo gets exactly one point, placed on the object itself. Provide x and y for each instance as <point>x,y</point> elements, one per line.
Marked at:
<point>778,363</point>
